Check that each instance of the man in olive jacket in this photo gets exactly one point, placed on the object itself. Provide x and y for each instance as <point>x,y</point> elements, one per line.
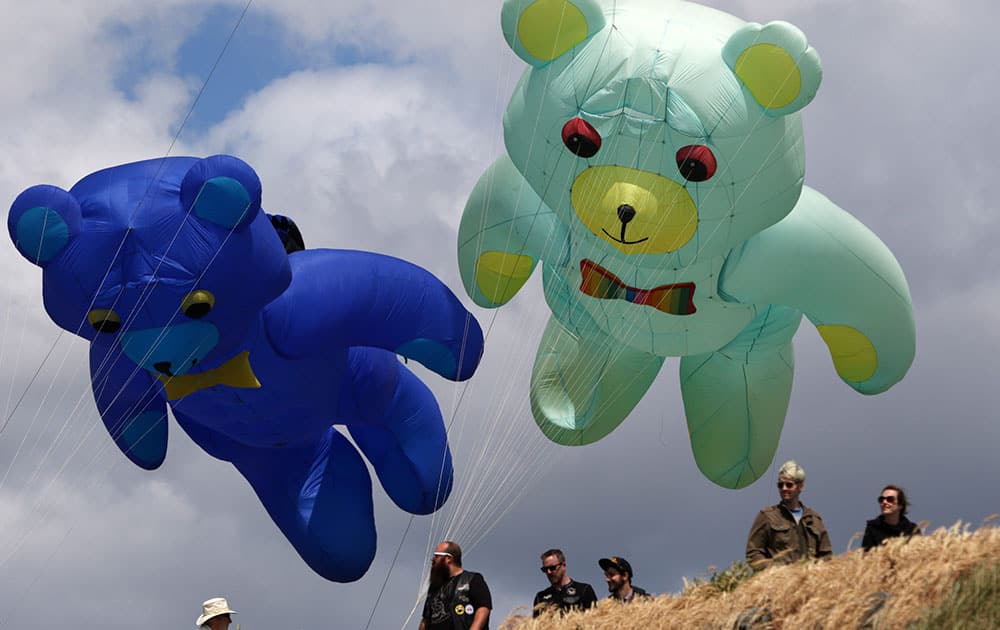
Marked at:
<point>788,531</point>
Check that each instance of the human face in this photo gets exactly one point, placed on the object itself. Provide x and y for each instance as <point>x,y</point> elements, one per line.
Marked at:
<point>219,623</point>
<point>440,566</point>
<point>789,489</point>
<point>888,502</point>
<point>554,570</point>
<point>441,555</point>
<point>614,579</point>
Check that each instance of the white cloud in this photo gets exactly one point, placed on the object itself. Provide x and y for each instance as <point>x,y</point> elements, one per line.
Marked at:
<point>363,157</point>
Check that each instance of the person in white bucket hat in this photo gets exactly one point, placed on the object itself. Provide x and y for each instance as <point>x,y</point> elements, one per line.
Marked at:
<point>215,614</point>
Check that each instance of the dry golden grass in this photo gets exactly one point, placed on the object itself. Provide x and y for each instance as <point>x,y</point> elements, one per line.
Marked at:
<point>894,586</point>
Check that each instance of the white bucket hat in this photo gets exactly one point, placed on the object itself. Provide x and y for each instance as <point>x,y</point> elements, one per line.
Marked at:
<point>213,608</point>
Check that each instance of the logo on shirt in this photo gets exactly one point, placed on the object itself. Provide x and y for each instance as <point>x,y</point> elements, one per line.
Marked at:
<point>459,609</point>
<point>469,609</point>
<point>439,614</point>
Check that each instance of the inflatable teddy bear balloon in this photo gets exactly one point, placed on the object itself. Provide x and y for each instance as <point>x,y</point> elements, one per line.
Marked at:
<point>655,168</point>
<point>191,302</point>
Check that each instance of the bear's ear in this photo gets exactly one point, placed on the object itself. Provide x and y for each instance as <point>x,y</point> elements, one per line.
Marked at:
<point>542,30</point>
<point>42,221</point>
<point>223,190</point>
<point>776,65</point>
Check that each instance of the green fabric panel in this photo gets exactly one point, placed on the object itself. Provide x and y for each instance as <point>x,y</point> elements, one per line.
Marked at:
<point>735,399</point>
<point>824,262</point>
<point>504,214</point>
<point>582,388</point>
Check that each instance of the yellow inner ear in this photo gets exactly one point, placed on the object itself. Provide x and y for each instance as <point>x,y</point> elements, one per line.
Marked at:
<point>771,75</point>
<point>500,275</point>
<point>548,28</point>
<point>853,354</point>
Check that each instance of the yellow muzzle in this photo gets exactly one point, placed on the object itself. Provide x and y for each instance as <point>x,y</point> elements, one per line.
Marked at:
<point>638,212</point>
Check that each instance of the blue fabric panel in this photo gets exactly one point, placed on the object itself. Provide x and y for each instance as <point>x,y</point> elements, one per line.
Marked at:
<point>41,234</point>
<point>222,200</point>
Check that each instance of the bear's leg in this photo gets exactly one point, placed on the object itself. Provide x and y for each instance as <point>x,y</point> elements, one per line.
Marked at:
<point>395,421</point>
<point>735,398</point>
<point>583,386</point>
<point>320,496</point>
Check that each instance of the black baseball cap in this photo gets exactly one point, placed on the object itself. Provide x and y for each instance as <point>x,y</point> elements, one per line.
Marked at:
<point>619,564</point>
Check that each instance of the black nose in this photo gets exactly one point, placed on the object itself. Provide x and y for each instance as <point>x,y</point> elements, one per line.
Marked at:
<point>163,367</point>
<point>626,213</point>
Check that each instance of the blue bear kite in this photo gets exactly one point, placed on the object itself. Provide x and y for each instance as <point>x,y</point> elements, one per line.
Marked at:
<point>190,300</point>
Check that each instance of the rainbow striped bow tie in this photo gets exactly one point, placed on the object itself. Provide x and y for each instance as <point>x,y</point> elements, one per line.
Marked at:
<point>598,282</point>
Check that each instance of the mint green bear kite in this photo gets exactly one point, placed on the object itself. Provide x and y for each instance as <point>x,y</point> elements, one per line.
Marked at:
<point>655,165</point>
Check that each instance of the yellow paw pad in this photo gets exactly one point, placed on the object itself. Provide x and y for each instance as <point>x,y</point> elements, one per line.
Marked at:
<point>500,275</point>
<point>853,354</point>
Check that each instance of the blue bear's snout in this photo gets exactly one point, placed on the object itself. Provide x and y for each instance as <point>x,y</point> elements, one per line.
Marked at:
<point>171,350</point>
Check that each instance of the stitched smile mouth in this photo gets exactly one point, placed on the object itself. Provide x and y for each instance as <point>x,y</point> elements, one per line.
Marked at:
<point>622,240</point>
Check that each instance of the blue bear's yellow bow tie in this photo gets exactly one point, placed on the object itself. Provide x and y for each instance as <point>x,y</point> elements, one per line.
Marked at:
<point>235,372</point>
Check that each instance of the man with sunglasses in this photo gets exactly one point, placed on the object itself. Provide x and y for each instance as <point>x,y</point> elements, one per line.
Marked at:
<point>892,521</point>
<point>563,593</point>
<point>789,531</point>
<point>456,599</point>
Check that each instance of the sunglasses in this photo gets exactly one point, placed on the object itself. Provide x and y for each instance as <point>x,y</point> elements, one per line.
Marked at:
<point>551,568</point>
<point>443,554</point>
<point>886,499</point>
<point>786,484</point>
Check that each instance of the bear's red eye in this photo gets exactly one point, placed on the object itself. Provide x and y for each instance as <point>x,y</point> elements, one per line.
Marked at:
<point>696,162</point>
<point>580,138</point>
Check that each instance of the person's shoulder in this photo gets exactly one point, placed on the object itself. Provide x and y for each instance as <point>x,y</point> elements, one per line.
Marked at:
<point>581,585</point>
<point>545,591</point>
<point>476,577</point>
<point>771,514</point>
<point>873,523</point>
<point>808,511</point>
<point>641,592</point>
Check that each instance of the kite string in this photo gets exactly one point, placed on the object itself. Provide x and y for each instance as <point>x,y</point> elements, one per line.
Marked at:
<point>27,388</point>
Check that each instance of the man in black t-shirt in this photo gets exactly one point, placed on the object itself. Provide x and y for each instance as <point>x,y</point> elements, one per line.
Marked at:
<point>456,599</point>
<point>563,593</point>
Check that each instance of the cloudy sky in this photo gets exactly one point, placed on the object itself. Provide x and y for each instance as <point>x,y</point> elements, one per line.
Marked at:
<point>370,123</point>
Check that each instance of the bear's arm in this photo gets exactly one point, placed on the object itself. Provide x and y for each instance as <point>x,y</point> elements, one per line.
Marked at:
<point>341,298</point>
<point>130,404</point>
<point>824,262</point>
<point>506,229</point>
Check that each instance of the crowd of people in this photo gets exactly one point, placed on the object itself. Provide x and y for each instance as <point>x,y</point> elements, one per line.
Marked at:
<point>789,531</point>
<point>781,534</point>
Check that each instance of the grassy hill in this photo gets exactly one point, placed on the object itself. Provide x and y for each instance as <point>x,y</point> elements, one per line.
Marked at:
<point>947,579</point>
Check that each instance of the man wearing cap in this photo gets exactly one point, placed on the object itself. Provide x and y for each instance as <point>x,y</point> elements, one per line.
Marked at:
<point>618,575</point>
<point>563,593</point>
<point>215,615</point>
<point>789,531</point>
<point>456,599</point>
